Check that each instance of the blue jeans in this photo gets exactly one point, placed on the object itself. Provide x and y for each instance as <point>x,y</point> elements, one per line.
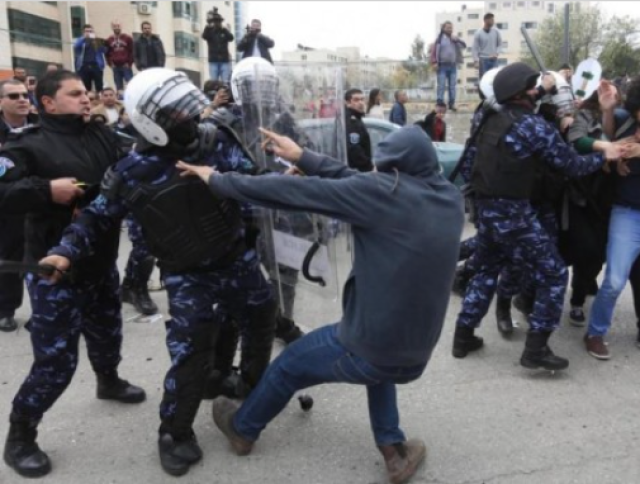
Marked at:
<point>622,250</point>
<point>447,73</point>
<point>317,358</point>
<point>486,65</point>
<point>120,75</point>
<point>220,70</point>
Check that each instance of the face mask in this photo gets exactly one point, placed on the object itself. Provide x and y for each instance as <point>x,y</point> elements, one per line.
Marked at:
<point>184,134</point>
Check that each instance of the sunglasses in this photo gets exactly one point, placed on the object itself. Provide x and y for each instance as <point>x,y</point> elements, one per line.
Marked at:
<point>14,96</point>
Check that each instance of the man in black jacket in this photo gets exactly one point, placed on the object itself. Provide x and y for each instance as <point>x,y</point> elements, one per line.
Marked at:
<point>63,150</point>
<point>148,50</point>
<point>358,140</point>
<point>254,43</point>
<point>14,103</point>
<point>218,38</point>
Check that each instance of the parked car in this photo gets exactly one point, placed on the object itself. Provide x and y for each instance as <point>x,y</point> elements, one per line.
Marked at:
<point>321,133</point>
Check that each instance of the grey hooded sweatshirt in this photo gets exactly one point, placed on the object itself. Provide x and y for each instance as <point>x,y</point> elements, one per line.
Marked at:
<point>407,221</point>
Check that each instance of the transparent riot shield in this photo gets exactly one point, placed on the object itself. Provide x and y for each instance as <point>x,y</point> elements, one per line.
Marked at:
<point>300,251</point>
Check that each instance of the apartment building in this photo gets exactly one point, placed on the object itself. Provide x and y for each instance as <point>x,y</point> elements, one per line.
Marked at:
<point>509,17</point>
<point>360,71</point>
<point>34,34</point>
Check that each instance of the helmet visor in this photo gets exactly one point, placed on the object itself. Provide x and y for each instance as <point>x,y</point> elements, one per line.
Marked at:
<point>172,102</point>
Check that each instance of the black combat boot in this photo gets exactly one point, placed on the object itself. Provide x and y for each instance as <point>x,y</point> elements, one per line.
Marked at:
<point>178,454</point>
<point>538,355</point>
<point>112,387</point>
<point>126,291</point>
<point>464,341</point>
<point>137,292</point>
<point>503,315</point>
<point>21,451</point>
<point>286,330</point>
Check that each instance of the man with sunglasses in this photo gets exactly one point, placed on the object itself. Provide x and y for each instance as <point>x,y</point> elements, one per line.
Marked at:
<point>14,103</point>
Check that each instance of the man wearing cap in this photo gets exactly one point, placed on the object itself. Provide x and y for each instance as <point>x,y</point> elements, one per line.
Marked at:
<point>512,146</point>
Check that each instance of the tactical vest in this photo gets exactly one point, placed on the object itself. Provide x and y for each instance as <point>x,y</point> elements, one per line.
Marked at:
<point>183,222</point>
<point>497,173</point>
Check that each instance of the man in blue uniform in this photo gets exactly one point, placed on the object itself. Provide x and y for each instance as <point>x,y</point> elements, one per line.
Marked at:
<point>199,242</point>
<point>39,165</point>
<point>510,147</point>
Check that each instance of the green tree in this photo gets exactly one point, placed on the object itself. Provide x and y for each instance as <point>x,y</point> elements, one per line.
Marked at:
<point>587,29</point>
<point>618,56</point>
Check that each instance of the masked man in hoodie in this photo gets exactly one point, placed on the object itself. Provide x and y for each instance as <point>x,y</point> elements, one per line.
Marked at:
<point>395,299</point>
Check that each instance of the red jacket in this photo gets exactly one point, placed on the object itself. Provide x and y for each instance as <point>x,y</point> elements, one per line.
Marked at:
<point>119,50</point>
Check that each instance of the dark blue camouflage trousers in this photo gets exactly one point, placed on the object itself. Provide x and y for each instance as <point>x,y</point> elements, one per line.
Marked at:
<point>139,251</point>
<point>60,314</point>
<point>190,330</point>
<point>514,279</point>
<point>510,233</point>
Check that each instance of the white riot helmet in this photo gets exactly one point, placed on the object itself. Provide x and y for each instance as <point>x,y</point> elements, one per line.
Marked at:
<point>254,81</point>
<point>486,87</point>
<point>158,99</point>
<point>562,98</point>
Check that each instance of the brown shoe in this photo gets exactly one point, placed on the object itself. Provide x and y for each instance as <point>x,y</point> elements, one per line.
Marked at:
<point>402,460</point>
<point>224,410</point>
<point>596,347</point>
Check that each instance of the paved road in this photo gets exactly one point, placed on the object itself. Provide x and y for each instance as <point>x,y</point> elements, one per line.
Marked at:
<point>484,418</point>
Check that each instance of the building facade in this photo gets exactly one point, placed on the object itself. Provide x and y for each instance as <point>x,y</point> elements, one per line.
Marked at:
<point>34,34</point>
<point>509,17</point>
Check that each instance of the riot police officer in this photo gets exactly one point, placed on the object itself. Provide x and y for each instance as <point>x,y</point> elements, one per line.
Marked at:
<point>510,146</point>
<point>65,149</point>
<point>197,238</point>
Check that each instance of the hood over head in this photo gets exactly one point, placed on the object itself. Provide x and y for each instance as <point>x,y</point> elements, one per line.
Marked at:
<point>408,150</point>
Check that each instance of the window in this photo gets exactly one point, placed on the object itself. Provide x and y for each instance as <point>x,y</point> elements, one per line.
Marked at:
<point>473,16</point>
<point>472,80</point>
<point>501,62</point>
<point>53,4</point>
<point>186,45</point>
<point>78,19</point>
<point>505,44</point>
<point>521,4</point>
<point>469,49</point>
<point>507,5</point>
<point>188,10</point>
<point>471,32</point>
<point>536,4</point>
<point>304,57</point>
<point>32,29</point>
<point>33,67</point>
<point>493,6</point>
<point>530,25</point>
<point>470,65</point>
<point>551,7</point>
<point>502,25</point>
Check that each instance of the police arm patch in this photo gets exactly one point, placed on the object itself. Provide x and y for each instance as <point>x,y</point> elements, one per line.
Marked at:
<point>5,165</point>
<point>354,138</point>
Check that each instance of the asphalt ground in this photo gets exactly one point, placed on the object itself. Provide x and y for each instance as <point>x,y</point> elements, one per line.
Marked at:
<point>485,419</point>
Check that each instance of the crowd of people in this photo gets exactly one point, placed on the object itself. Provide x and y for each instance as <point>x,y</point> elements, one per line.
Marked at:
<point>551,186</point>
